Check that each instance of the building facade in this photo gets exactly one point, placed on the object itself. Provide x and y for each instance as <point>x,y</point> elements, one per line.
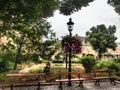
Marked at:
<point>88,50</point>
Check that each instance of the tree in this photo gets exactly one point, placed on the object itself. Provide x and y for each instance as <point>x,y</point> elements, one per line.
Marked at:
<point>25,40</point>
<point>48,49</point>
<point>115,4</point>
<point>34,9</point>
<point>67,7</point>
<point>102,38</point>
<point>23,22</point>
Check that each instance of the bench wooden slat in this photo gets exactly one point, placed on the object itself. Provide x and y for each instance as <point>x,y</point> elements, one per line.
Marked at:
<point>73,79</point>
<point>103,77</point>
<point>70,73</point>
<point>24,74</point>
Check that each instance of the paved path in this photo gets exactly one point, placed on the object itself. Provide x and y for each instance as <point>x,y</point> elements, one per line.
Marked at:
<point>87,86</point>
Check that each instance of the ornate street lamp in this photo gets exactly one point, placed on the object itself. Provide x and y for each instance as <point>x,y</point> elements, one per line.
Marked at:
<point>70,25</point>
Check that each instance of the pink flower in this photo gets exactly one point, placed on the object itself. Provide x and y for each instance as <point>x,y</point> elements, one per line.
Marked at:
<point>74,43</point>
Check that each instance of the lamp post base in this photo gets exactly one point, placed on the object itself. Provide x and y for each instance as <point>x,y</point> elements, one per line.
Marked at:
<point>69,83</point>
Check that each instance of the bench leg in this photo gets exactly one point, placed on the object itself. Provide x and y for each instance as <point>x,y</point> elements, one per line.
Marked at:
<point>11,87</point>
<point>60,86</point>
<point>38,86</point>
<point>112,81</point>
<point>97,82</point>
<point>81,84</point>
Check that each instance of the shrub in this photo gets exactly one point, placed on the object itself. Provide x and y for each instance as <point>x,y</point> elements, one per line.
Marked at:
<point>2,77</point>
<point>101,65</point>
<point>117,60</point>
<point>88,62</point>
<point>114,66</point>
<point>118,73</point>
<point>111,64</point>
<point>5,64</point>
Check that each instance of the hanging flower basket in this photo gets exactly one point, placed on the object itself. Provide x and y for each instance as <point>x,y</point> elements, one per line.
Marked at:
<point>74,43</point>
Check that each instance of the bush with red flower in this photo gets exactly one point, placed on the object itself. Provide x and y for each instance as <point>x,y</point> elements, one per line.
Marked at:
<point>72,42</point>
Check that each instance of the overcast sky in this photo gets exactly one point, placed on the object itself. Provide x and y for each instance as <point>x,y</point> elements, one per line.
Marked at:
<point>98,12</point>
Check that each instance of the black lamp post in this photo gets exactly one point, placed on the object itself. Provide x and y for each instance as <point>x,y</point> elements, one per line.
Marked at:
<point>70,28</point>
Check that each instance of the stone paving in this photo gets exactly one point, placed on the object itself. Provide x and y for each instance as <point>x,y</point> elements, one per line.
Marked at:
<point>87,86</point>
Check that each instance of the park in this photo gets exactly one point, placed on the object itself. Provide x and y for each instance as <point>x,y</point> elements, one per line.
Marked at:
<point>32,57</point>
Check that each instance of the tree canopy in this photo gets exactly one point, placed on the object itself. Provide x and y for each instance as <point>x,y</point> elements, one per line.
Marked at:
<point>34,9</point>
<point>67,7</point>
<point>101,38</point>
<point>115,4</point>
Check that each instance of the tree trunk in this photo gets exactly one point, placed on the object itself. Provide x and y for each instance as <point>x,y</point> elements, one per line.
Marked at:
<point>99,56</point>
<point>17,56</point>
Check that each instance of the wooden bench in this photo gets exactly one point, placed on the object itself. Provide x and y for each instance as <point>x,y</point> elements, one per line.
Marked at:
<point>13,77</point>
<point>102,75</point>
<point>63,77</point>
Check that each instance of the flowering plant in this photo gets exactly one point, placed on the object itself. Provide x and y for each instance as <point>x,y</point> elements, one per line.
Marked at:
<point>74,43</point>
